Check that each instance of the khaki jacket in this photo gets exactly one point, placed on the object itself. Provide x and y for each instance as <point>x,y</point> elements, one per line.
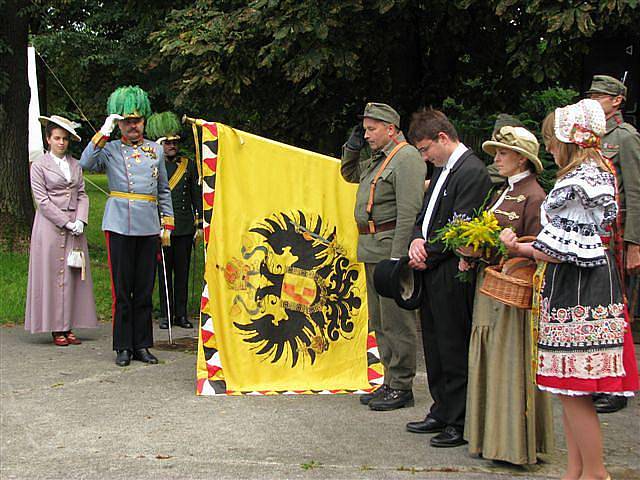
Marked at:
<point>398,197</point>
<point>621,145</point>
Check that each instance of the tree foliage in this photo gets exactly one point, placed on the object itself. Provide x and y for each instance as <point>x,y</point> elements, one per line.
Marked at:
<point>300,72</point>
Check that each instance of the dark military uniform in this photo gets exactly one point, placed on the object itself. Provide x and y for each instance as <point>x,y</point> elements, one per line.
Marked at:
<point>187,207</point>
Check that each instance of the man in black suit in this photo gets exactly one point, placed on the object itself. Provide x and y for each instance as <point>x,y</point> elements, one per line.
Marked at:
<point>459,185</point>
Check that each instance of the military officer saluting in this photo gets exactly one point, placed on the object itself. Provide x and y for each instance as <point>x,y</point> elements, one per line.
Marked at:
<point>139,187</point>
<point>389,198</point>
<point>186,196</point>
<point>621,146</point>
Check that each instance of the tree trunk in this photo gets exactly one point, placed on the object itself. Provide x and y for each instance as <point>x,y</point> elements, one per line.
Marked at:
<point>16,205</point>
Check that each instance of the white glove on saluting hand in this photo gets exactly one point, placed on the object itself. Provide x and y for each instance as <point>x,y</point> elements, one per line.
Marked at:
<point>110,124</point>
<point>165,237</point>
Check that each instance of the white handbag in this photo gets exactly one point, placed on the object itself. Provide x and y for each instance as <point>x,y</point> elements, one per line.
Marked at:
<point>76,259</point>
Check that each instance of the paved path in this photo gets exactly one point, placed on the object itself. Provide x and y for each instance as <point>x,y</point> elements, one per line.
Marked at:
<point>70,413</point>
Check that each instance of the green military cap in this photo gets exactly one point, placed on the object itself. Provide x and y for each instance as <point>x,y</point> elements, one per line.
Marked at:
<point>607,85</point>
<point>505,120</point>
<point>382,112</point>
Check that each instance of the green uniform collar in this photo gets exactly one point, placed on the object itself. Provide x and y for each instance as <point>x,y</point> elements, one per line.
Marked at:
<point>614,121</point>
<point>391,145</point>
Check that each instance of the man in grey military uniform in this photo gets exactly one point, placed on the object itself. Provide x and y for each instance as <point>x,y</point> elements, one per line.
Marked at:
<point>138,183</point>
<point>389,197</point>
<point>621,146</point>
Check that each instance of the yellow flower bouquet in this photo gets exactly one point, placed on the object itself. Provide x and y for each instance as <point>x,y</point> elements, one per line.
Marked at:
<point>482,233</point>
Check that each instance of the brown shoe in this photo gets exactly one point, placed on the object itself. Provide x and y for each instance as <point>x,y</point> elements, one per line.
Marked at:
<point>71,338</point>
<point>59,339</point>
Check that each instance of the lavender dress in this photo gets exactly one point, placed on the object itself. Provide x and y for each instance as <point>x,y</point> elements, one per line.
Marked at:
<point>57,297</point>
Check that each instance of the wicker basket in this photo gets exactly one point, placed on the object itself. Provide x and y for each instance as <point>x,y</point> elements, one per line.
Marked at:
<point>511,282</point>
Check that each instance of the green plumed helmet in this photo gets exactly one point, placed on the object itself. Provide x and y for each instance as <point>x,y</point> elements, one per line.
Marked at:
<point>165,125</point>
<point>130,102</point>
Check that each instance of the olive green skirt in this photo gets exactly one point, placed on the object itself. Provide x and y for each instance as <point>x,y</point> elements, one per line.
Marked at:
<point>507,417</point>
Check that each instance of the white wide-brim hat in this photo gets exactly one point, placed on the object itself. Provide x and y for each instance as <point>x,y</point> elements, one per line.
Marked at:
<point>63,123</point>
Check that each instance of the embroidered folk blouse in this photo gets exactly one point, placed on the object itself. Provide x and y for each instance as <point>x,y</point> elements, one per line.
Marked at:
<point>578,209</point>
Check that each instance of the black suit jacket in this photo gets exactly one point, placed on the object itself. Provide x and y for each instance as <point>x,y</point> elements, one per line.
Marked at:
<point>464,192</point>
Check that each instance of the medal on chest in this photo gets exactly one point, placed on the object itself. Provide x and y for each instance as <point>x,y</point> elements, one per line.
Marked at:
<point>136,156</point>
<point>149,151</point>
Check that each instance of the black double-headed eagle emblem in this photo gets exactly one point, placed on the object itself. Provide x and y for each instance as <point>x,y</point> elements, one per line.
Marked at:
<point>294,288</point>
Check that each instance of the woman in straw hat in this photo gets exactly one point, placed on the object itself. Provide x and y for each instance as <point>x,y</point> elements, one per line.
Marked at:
<point>506,418</point>
<point>584,343</point>
<point>59,296</point>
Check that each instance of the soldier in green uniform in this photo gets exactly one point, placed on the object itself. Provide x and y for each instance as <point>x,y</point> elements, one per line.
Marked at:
<point>389,197</point>
<point>621,146</point>
<point>186,197</point>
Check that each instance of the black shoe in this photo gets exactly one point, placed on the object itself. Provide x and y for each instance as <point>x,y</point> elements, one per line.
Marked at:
<point>182,322</point>
<point>428,425</point>
<point>378,392</point>
<point>610,403</point>
<point>164,323</point>
<point>449,437</point>
<point>391,400</point>
<point>123,358</point>
<point>143,355</point>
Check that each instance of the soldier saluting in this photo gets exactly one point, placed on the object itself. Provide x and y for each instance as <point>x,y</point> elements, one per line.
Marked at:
<point>139,187</point>
<point>390,190</point>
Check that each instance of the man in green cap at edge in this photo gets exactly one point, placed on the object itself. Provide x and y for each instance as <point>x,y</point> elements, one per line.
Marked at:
<point>621,147</point>
<point>389,196</point>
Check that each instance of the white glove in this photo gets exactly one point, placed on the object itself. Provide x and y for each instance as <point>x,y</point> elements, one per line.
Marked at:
<point>110,124</point>
<point>78,227</point>
<point>70,225</point>
<point>165,237</point>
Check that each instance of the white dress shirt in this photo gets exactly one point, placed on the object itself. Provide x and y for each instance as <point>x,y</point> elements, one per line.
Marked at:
<point>63,165</point>
<point>512,180</point>
<point>453,159</point>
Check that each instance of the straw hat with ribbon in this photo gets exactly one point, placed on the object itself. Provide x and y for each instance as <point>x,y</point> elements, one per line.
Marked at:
<point>518,139</point>
<point>63,123</point>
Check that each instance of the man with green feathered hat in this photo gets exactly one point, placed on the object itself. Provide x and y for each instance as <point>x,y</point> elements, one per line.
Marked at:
<point>186,196</point>
<point>139,186</point>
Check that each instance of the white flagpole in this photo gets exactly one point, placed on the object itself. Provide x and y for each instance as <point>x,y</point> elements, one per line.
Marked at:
<point>36,147</point>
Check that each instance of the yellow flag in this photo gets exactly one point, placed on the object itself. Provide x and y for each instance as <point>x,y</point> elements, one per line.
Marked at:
<point>286,300</point>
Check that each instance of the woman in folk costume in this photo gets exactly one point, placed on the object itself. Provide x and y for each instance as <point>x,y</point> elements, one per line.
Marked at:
<point>59,296</point>
<point>507,418</point>
<point>584,343</point>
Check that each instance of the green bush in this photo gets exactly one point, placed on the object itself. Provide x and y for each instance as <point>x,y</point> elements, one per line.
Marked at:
<point>475,128</point>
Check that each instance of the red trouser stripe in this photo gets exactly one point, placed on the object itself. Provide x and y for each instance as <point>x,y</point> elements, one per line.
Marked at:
<point>113,291</point>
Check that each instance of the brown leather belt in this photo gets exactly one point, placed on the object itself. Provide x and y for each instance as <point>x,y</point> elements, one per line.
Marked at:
<point>373,228</point>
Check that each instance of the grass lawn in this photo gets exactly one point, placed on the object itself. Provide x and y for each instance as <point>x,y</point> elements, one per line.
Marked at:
<point>14,266</point>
